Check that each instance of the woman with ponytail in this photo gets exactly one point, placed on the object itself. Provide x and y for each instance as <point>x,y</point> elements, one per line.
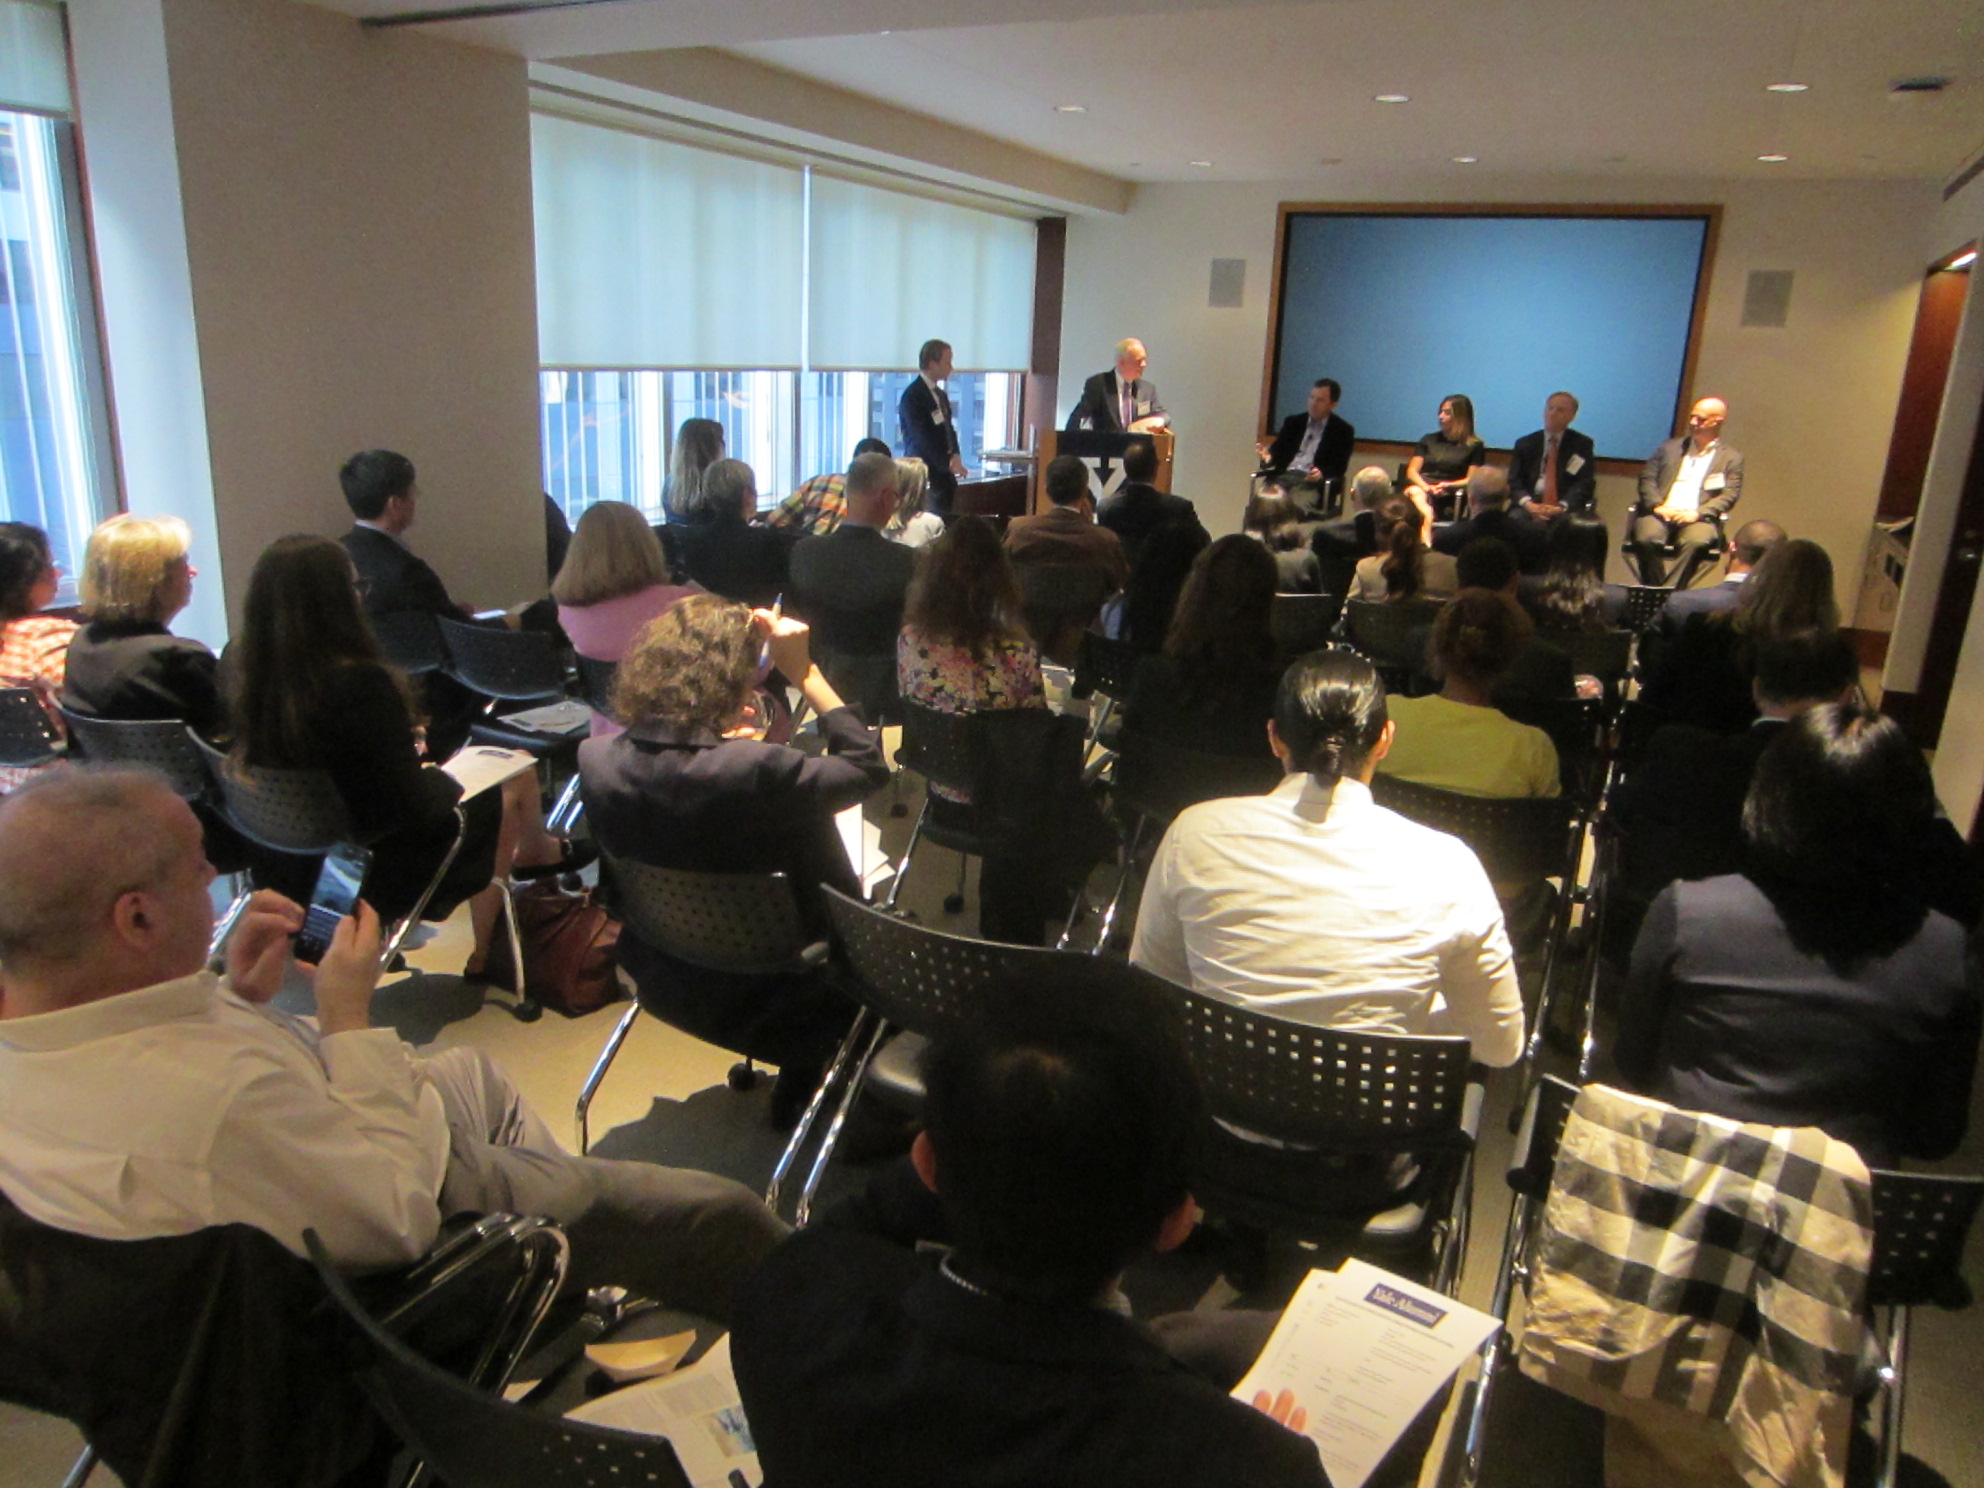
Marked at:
<point>1405,565</point>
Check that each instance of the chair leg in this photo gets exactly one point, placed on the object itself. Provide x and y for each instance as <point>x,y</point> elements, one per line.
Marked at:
<point>599,1069</point>
<point>849,1093</point>
<point>954,903</point>
<point>79,1474</point>
<point>225,928</point>
<point>902,866</point>
<point>1894,1388</point>
<point>528,1009</point>
<point>565,814</point>
<point>1108,924</point>
<point>804,1130</point>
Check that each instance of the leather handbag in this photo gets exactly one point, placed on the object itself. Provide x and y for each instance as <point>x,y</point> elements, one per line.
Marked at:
<point>568,950</point>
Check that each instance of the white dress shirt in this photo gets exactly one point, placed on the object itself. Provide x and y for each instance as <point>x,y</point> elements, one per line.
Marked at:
<point>1685,495</point>
<point>165,1110</point>
<point>1315,904</point>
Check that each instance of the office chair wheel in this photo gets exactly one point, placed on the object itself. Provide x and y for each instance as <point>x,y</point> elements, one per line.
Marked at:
<point>527,1011</point>
<point>742,1076</point>
<point>954,904</point>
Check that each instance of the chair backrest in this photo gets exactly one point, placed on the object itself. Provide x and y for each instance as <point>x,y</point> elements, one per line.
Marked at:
<point>1107,665</point>
<point>1643,602</point>
<point>1383,628</point>
<point>1061,588</point>
<point>1921,1222</point>
<point>1550,1102</point>
<point>1159,779</point>
<point>1324,1087</point>
<point>1604,654</point>
<point>596,683</point>
<point>292,811</point>
<point>1517,841</point>
<point>411,640</point>
<point>917,978</point>
<point>28,736</point>
<point>746,923</point>
<point>944,748</point>
<point>1302,622</point>
<point>164,745</point>
<point>512,664</point>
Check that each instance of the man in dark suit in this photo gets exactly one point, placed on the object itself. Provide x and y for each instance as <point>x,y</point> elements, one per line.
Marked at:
<point>1554,470</point>
<point>1746,551</point>
<point>850,585</point>
<point>1138,508</point>
<point>1120,401</point>
<point>1313,448</point>
<point>1489,516</point>
<point>1685,483</point>
<point>929,425</point>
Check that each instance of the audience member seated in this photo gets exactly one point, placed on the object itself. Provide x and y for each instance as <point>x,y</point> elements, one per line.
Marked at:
<point>1442,461</point>
<point>1818,987</point>
<point>1746,551</point>
<point>1213,686</point>
<point>1150,598</point>
<point>124,663</point>
<point>1138,508</point>
<point>723,550</point>
<point>699,444</point>
<point>1317,905</point>
<point>1456,739</point>
<point>382,492</point>
<point>34,648</point>
<point>145,1096</point>
<point>1271,519</point>
<point>1354,535</point>
<point>962,1322</point>
<point>689,785</point>
<point>557,538</point>
<point>310,690</point>
<point>1571,592</point>
<point>850,584</point>
<point>911,525</point>
<point>1404,567</point>
<point>1541,678</point>
<point>815,509</point>
<point>1067,537</point>
<point>613,582</point>
<point>1703,675</point>
<point>1490,515</point>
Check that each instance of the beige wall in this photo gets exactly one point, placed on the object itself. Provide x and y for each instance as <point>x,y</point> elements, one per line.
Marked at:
<point>357,220</point>
<point>1811,405</point>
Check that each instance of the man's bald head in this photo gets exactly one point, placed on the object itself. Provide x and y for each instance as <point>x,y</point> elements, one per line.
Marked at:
<point>871,490</point>
<point>72,843</point>
<point>1487,488</point>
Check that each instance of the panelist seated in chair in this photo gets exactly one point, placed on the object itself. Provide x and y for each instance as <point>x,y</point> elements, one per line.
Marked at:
<point>142,1095</point>
<point>1312,448</point>
<point>1819,987</point>
<point>311,691</point>
<point>1442,460</point>
<point>1684,485</point>
<point>690,785</point>
<point>1315,904</point>
<point>961,1322</point>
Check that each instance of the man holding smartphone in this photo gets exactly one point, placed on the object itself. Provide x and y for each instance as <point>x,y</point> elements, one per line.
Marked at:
<point>142,1094</point>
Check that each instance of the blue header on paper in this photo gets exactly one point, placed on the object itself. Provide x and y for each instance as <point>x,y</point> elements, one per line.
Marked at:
<point>1410,1308</point>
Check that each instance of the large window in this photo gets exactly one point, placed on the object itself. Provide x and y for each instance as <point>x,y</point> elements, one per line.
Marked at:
<point>676,282</point>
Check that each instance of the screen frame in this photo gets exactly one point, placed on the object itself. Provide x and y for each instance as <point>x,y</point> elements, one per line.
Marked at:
<point>1708,213</point>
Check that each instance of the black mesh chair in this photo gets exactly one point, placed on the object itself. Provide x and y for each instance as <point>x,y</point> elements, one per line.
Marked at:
<point>1105,668</point>
<point>1384,631</point>
<point>1604,654</point>
<point>28,736</point>
<point>1057,598</point>
<point>946,749</point>
<point>517,667</point>
<point>596,683</point>
<point>1341,1112</point>
<point>411,640</point>
<point>1302,622</point>
<point>742,924</point>
<point>913,982</point>
<point>1643,602</point>
<point>1670,550</point>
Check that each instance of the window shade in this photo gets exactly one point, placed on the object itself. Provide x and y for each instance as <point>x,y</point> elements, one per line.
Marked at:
<point>34,63</point>
<point>890,271</point>
<point>654,254</point>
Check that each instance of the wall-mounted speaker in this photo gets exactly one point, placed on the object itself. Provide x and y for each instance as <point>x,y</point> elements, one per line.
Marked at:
<point>1767,298</point>
<point>1229,284</point>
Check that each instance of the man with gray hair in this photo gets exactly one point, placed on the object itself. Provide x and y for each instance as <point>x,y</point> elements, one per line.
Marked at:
<point>1354,535</point>
<point>1120,401</point>
<point>850,586</point>
<point>143,1095</point>
<point>1489,515</point>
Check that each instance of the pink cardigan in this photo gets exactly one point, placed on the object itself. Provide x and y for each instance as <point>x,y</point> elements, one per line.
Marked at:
<point>605,630</point>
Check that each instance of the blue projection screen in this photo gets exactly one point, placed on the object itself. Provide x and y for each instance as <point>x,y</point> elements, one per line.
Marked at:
<point>1406,308</point>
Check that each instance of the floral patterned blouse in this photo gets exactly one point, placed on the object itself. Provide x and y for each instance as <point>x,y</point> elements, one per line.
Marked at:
<point>951,679</point>
<point>34,652</point>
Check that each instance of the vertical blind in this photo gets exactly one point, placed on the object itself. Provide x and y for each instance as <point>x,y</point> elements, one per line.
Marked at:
<point>657,254</point>
<point>34,64</point>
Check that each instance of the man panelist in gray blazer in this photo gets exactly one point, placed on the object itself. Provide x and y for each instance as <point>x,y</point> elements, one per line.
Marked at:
<point>1684,485</point>
<point>1120,401</point>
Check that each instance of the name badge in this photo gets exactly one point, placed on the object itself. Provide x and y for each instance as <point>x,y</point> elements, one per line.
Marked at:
<point>1573,465</point>
<point>1715,483</point>
<point>936,415</point>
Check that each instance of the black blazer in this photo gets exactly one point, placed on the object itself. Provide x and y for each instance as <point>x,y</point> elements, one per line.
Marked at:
<point>133,670</point>
<point>850,585</point>
<point>1576,490</point>
<point>930,439</point>
<point>392,580</point>
<point>1138,510</point>
<point>1527,537</point>
<point>1099,399</point>
<point>737,559</point>
<point>1332,450</point>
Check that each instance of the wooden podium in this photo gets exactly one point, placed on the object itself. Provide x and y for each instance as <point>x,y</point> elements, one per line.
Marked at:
<point>1102,452</point>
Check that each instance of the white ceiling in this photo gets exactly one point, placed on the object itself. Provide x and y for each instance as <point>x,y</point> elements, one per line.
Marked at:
<point>1271,92</point>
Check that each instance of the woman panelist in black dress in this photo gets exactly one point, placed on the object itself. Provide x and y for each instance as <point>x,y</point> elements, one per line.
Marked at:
<point>1442,460</point>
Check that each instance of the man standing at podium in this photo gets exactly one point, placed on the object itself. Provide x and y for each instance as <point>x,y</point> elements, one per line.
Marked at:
<point>930,428</point>
<point>1121,401</point>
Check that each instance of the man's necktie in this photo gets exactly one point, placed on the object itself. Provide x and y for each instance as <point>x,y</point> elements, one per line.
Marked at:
<point>1550,472</point>
<point>1129,404</point>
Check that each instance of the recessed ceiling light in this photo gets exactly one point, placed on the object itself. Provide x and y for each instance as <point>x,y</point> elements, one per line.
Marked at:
<point>1786,87</point>
<point>1394,98</point>
<point>1773,159</point>
<point>1466,159</point>
<point>1070,108</point>
<point>1202,164</point>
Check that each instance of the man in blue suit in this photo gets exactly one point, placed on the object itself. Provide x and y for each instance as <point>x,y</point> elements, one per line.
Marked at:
<point>930,425</point>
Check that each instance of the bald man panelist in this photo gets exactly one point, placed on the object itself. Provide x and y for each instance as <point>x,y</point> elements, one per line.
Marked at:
<point>1120,400</point>
<point>1685,484</point>
<point>143,1095</point>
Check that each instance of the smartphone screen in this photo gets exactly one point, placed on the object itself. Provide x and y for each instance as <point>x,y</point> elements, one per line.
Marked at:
<point>335,894</point>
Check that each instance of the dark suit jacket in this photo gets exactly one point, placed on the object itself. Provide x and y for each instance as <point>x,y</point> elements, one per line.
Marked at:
<point>1332,450</point>
<point>134,670</point>
<point>737,559</point>
<point>1526,469</point>
<point>1000,1394</point>
<point>1684,604</point>
<point>1723,1013</point>
<point>930,439</point>
<point>1065,535</point>
<point>1528,538</point>
<point>1099,400</point>
<point>1137,510</point>
<point>392,580</point>
<point>1665,463</point>
<point>849,585</point>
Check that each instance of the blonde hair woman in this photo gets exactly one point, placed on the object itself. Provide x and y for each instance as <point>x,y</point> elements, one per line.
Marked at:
<point>911,525</point>
<point>125,663</point>
<point>613,582</point>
